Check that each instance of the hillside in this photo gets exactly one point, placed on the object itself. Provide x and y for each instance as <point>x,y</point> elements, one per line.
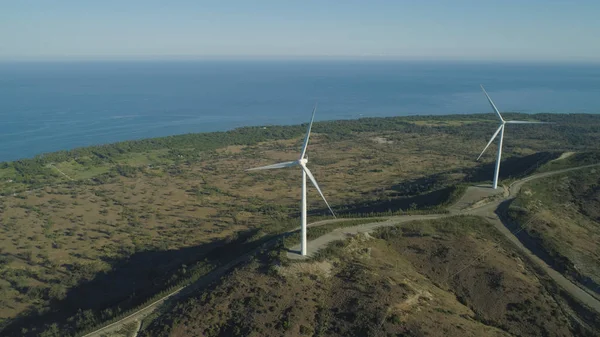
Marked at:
<point>562,217</point>
<point>117,224</point>
<point>451,277</point>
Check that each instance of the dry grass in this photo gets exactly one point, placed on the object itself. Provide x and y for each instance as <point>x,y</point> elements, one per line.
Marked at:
<point>393,286</point>
<point>565,217</point>
<point>171,205</point>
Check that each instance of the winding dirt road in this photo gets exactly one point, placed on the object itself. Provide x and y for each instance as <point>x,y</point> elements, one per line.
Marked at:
<point>487,211</point>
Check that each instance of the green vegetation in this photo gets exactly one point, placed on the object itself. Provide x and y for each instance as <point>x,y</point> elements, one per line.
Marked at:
<point>397,284</point>
<point>136,212</point>
<point>562,217</point>
<point>482,268</point>
<point>129,330</point>
<point>575,131</point>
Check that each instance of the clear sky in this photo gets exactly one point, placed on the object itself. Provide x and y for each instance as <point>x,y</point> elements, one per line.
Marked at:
<point>545,30</point>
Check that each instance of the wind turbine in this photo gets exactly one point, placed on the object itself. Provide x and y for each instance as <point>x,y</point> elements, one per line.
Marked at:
<point>305,172</point>
<point>501,131</point>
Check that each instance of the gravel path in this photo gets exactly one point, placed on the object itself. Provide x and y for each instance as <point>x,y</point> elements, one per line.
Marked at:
<point>485,210</point>
<point>488,212</point>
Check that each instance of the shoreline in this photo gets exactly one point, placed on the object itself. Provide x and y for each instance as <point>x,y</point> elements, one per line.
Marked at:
<point>480,117</point>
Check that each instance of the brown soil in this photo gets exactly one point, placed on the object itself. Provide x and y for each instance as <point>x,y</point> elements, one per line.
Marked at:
<point>395,285</point>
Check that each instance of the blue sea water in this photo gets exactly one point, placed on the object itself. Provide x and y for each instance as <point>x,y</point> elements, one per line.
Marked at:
<point>53,106</point>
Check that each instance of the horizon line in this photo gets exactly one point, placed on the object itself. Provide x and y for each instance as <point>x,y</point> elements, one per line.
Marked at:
<point>229,58</point>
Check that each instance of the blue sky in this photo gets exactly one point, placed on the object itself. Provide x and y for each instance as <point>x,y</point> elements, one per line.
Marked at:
<point>388,29</point>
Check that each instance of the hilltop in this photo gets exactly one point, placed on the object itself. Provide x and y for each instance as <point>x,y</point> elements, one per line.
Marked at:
<point>453,277</point>
<point>118,224</point>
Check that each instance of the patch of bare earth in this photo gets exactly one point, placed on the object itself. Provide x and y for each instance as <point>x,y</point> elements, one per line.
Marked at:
<point>381,140</point>
<point>368,289</point>
<point>564,155</point>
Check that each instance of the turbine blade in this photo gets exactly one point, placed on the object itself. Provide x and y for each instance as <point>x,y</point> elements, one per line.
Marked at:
<point>312,178</point>
<point>308,132</point>
<point>527,122</point>
<point>491,140</point>
<point>274,166</point>
<point>491,103</point>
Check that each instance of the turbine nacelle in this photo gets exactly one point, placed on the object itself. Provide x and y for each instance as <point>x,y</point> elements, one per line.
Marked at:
<point>503,122</point>
<point>302,161</point>
<point>500,130</point>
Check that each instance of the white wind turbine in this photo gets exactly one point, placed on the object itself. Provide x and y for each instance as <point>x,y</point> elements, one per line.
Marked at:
<point>501,131</point>
<point>305,171</point>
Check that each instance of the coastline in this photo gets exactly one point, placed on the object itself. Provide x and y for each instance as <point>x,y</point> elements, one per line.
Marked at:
<point>219,133</point>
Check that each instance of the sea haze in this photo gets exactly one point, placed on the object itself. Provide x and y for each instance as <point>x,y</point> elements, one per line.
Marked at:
<point>54,106</point>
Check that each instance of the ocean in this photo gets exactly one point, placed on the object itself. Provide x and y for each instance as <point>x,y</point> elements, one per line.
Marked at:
<point>52,106</point>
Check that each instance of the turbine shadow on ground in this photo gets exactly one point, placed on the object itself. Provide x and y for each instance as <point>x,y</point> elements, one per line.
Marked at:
<point>140,276</point>
<point>435,192</point>
<point>512,167</point>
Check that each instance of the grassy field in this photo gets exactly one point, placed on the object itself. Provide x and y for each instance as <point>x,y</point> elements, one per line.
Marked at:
<point>563,216</point>
<point>155,201</point>
<point>416,279</point>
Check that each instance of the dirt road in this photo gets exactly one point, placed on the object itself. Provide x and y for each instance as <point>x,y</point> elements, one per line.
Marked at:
<point>487,211</point>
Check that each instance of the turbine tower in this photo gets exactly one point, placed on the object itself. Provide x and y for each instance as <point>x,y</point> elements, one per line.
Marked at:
<point>501,131</point>
<point>305,172</point>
